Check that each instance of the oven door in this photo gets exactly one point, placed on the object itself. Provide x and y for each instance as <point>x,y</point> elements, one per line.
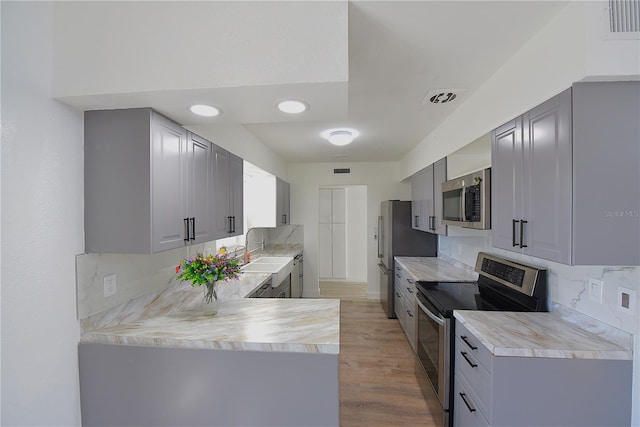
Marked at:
<point>433,351</point>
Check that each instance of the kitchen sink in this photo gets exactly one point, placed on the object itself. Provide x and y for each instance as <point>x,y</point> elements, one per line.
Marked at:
<point>279,267</point>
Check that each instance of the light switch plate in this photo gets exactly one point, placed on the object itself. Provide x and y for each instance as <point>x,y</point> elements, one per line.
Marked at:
<point>595,290</point>
<point>109,283</point>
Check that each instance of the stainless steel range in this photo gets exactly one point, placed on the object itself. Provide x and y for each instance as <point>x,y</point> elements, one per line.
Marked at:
<point>503,285</point>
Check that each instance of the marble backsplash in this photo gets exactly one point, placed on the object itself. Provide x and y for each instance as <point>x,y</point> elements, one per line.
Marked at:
<point>136,274</point>
<point>567,284</point>
<point>139,274</point>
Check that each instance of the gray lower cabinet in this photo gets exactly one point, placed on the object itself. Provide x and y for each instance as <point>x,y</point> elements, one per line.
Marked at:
<point>283,205</point>
<point>227,202</point>
<point>146,183</point>
<point>529,391</point>
<point>426,198</point>
<point>151,386</point>
<point>405,303</point>
<point>560,175</point>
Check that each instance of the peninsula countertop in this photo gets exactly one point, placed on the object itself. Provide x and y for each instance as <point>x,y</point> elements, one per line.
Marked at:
<point>171,319</point>
<point>432,269</point>
<point>512,334</point>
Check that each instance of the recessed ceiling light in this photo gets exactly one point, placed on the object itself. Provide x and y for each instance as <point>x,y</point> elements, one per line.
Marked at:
<point>292,106</point>
<point>342,136</point>
<point>205,110</point>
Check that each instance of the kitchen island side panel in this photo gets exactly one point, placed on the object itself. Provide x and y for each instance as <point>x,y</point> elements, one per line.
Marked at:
<point>150,386</point>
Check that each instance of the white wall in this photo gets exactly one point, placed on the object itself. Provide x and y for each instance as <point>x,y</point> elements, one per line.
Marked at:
<point>143,46</point>
<point>383,183</point>
<point>42,224</point>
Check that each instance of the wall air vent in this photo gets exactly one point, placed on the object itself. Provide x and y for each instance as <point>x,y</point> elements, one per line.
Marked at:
<point>344,170</point>
<point>622,20</point>
<point>442,96</point>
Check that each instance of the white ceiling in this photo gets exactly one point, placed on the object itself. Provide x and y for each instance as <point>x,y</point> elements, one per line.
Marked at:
<point>398,52</point>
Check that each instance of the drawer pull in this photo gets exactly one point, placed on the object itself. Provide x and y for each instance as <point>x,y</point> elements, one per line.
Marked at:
<point>464,399</point>
<point>409,290</point>
<point>410,281</point>
<point>409,313</point>
<point>473,365</point>
<point>398,294</point>
<point>471,346</point>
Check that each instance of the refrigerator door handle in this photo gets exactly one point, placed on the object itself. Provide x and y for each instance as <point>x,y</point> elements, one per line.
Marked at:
<point>380,249</point>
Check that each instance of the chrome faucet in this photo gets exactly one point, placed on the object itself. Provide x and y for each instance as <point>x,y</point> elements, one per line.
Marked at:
<point>247,242</point>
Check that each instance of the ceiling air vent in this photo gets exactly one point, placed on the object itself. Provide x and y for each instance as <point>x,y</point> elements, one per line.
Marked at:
<point>622,20</point>
<point>442,96</point>
<point>344,170</point>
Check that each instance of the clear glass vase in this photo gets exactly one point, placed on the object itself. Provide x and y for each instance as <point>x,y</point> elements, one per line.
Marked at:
<point>210,302</point>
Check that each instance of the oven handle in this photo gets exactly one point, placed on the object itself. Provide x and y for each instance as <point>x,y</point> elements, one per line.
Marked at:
<point>432,316</point>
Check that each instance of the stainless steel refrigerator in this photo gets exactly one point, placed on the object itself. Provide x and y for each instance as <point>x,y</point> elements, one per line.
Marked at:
<point>397,238</point>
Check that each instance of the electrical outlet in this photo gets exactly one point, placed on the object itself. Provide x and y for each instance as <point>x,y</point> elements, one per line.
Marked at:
<point>109,285</point>
<point>626,301</point>
<point>595,290</point>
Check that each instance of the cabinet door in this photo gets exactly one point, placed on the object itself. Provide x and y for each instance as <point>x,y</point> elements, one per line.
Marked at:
<point>606,156</point>
<point>428,200</point>
<point>415,201</point>
<point>325,251</point>
<point>236,194</point>
<point>548,180</point>
<point>506,180</point>
<point>221,195</point>
<point>199,191</point>
<point>325,206</point>
<point>338,206</point>
<point>439,176</point>
<point>339,252</point>
<point>169,184</point>
<point>286,202</point>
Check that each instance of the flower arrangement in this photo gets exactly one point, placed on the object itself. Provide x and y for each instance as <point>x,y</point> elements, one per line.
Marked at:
<point>207,270</point>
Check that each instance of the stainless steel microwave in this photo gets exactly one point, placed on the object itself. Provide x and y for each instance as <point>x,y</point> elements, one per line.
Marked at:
<point>466,201</point>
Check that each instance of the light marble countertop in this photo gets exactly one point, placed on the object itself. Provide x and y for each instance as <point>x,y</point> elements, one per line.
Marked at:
<point>171,318</point>
<point>538,335</point>
<point>434,269</point>
<point>285,325</point>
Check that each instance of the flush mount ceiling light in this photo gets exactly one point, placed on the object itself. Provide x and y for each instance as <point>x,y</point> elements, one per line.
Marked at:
<point>292,106</point>
<point>205,110</point>
<point>340,136</point>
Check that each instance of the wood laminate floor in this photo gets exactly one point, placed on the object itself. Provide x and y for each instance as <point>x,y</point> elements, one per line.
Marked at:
<point>343,290</point>
<point>378,383</point>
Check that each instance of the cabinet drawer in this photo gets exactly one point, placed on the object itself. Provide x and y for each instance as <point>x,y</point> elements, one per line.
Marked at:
<point>466,413</point>
<point>473,346</point>
<point>474,374</point>
<point>410,322</point>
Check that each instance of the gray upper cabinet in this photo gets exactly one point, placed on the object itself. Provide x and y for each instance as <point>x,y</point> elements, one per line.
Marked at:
<point>137,182</point>
<point>531,206</point>
<point>559,174</point>
<point>426,199</point>
<point>283,206</point>
<point>606,177</point>
<point>439,176</point>
<point>228,191</point>
<point>199,188</point>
